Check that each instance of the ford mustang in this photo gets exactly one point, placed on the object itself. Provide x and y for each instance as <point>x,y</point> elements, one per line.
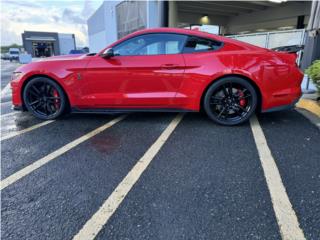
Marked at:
<point>163,69</point>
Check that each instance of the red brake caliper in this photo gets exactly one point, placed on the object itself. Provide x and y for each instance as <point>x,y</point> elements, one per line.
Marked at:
<point>242,101</point>
<point>56,101</point>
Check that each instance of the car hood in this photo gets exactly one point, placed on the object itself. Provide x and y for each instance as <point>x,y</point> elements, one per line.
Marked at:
<point>42,65</point>
<point>64,57</point>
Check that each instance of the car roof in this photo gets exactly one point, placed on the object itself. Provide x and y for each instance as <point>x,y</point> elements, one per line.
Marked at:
<point>187,32</point>
<point>194,33</point>
<point>179,31</point>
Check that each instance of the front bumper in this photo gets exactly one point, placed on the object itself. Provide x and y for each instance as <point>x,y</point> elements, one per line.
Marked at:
<point>16,96</point>
<point>18,108</point>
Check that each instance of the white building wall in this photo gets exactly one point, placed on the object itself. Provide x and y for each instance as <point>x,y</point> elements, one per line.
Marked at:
<point>66,43</point>
<point>102,25</point>
<point>96,43</point>
<point>155,14</point>
<point>111,21</point>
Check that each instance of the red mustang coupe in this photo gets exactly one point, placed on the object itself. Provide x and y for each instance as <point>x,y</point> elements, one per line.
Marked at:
<point>162,69</point>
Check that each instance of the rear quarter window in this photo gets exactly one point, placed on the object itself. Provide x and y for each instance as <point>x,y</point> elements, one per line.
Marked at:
<point>198,44</point>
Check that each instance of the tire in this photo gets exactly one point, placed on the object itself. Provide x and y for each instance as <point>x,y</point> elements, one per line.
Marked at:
<point>230,101</point>
<point>44,98</point>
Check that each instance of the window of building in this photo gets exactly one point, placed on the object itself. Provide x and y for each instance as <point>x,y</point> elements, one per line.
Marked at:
<point>151,44</point>
<point>197,44</point>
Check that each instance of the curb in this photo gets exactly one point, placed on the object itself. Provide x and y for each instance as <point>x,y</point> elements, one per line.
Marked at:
<point>310,105</point>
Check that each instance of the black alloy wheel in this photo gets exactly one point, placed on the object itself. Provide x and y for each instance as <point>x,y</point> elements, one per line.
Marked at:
<point>44,98</point>
<point>230,101</point>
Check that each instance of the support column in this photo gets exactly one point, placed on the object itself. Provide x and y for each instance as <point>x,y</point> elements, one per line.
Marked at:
<point>173,14</point>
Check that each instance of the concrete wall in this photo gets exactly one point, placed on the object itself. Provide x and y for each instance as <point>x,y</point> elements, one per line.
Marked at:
<point>102,25</point>
<point>173,14</point>
<point>186,19</point>
<point>96,42</point>
<point>96,30</point>
<point>271,18</point>
<point>155,14</point>
<point>66,43</point>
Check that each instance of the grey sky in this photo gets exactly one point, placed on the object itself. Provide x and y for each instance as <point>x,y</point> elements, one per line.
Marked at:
<point>66,16</point>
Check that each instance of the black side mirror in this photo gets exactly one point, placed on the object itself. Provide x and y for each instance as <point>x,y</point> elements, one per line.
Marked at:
<point>108,53</point>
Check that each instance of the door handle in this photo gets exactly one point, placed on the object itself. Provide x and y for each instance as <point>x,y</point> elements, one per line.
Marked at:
<point>169,66</point>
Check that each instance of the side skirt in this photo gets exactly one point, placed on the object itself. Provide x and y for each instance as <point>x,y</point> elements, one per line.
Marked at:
<point>126,110</point>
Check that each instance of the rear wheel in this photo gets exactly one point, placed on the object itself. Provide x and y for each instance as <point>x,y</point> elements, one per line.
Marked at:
<point>44,98</point>
<point>230,101</point>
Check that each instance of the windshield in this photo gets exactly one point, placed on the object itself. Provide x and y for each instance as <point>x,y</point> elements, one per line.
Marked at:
<point>14,52</point>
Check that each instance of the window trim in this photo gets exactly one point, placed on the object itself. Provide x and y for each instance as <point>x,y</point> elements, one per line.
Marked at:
<point>153,33</point>
<point>202,51</point>
<point>182,52</point>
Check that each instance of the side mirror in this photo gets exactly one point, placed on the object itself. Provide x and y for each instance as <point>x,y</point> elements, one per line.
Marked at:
<point>108,53</point>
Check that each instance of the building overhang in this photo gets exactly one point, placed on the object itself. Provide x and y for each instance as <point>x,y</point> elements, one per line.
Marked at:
<point>41,38</point>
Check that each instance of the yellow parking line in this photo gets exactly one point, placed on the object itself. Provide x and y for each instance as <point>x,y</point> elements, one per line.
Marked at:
<point>39,163</point>
<point>101,217</point>
<point>14,134</point>
<point>285,215</point>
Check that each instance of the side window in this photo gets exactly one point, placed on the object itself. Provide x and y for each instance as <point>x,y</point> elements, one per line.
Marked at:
<point>197,44</point>
<point>151,44</point>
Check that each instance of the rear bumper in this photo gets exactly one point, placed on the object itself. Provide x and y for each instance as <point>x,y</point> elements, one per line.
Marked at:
<point>282,107</point>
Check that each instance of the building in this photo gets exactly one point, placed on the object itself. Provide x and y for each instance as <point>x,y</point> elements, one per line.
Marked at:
<point>264,23</point>
<point>46,44</point>
<point>115,19</point>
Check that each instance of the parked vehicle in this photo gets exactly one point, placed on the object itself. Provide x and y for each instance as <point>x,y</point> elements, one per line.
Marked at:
<point>13,54</point>
<point>163,69</point>
<point>5,56</point>
<point>77,51</point>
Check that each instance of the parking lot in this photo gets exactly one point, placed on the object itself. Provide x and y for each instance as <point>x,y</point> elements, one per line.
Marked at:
<point>158,176</point>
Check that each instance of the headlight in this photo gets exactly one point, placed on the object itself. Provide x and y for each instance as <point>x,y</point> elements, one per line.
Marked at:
<point>15,75</point>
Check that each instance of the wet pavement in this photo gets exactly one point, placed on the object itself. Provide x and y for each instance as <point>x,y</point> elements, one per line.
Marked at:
<point>206,181</point>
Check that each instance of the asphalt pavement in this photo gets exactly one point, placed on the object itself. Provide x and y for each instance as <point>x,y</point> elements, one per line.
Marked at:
<point>148,176</point>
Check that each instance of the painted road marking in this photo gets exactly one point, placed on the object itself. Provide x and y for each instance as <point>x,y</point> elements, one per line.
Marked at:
<point>5,90</point>
<point>16,133</point>
<point>101,217</point>
<point>285,215</point>
<point>39,163</point>
<point>6,103</point>
<point>8,114</point>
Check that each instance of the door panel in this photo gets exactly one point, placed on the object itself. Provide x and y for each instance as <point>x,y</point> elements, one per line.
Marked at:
<point>101,83</point>
<point>132,81</point>
<point>152,80</point>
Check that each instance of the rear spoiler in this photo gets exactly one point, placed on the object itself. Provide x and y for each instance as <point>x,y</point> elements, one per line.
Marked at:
<point>289,49</point>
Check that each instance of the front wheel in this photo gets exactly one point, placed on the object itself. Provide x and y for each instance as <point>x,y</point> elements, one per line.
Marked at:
<point>230,101</point>
<point>44,98</point>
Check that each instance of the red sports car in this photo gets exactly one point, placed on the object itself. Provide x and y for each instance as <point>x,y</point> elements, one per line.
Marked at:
<point>162,69</point>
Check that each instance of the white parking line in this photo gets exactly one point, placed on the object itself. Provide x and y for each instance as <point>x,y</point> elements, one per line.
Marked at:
<point>8,114</point>
<point>285,215</point>
<point>14,134</point>
<point>101,217</point>
<point>5,90</point>
<point>39,163</point>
